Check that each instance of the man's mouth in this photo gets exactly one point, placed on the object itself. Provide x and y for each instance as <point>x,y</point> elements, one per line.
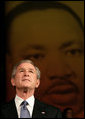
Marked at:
<point>25,79</point>
<point>63,89</point>
<point>61,93</point>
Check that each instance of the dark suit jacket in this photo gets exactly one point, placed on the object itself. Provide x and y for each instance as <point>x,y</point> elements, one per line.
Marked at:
<point>41,110</point>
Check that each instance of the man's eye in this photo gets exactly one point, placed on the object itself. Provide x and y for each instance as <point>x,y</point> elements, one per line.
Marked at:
<point>38,56</point>
<point>73,52</point>
<point>21,70</point>
<point>31,71</point>
<point>35,56</point>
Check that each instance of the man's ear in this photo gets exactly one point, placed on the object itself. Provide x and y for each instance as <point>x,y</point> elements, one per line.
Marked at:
<point>13,81</point>
<point>38,83</point>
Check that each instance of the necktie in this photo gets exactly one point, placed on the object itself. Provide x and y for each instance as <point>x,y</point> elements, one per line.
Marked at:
<point>24,113</point>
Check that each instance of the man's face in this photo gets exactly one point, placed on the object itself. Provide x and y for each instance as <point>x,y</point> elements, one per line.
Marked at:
<point>54,41</point>
<point>25,77</point>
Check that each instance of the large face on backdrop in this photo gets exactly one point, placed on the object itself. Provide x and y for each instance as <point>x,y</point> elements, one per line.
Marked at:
<point>52,39</point>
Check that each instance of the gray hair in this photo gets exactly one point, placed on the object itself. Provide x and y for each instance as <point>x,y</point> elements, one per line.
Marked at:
<point>25,61</point>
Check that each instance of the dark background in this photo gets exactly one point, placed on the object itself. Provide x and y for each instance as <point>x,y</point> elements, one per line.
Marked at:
<point>2,53</point>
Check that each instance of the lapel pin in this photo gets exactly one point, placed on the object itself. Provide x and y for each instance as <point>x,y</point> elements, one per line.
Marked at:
<point>43,112</point>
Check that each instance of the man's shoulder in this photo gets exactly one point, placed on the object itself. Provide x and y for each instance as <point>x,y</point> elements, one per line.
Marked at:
<point>49,110</point>
<point>7,104</point>
<point>8,110</point>
<point>45,105</point>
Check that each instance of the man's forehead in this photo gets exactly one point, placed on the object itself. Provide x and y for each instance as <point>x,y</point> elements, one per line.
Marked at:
<point>42,16</point>
<point>43,30</point>
<point>40,26</point>
<point>38,20</point>
<point>37,8</point>
<point>25,65</point>
<point>30,24</point>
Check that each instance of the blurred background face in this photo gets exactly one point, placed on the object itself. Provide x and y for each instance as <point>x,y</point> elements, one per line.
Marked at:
<point>54,41</point>
<point>69,114</point>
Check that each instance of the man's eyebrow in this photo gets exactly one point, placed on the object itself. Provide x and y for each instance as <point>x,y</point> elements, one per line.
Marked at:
<point>21,68</point>
<point>36,47</point>
<point>31,69</point>
<point>67,44</point>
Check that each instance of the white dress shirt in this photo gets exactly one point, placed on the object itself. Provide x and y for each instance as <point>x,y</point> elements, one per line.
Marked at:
<point>30,101</point>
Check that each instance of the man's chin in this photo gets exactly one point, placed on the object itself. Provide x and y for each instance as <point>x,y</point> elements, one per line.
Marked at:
<point>26,88</point>
<point>23,88</point>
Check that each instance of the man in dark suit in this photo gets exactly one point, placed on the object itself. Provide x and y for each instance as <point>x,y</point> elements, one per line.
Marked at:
<point>26,78</point>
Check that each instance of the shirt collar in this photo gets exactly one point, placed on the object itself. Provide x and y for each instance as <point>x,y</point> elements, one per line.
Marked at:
<point>31,100</point>
<point>19,100</point>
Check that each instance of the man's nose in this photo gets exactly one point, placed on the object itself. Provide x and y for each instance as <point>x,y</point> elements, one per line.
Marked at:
<point>26,73</point>
<point>58,68</point>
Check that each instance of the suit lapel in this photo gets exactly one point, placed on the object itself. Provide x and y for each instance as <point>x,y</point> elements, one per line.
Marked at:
<point>12,110</point>
<point>38,111</point>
